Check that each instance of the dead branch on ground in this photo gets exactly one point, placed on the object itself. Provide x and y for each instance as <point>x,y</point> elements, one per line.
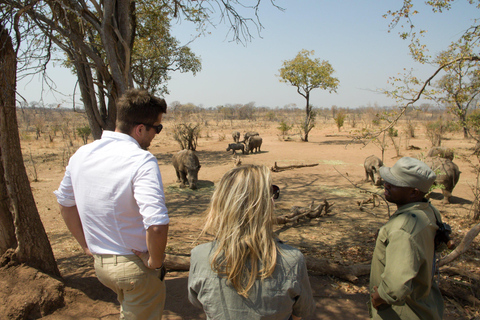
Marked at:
<point>297,213</point>
<point>236,161</point>
<point>277,168</point>
<point>462,247</point>
<point>374,194</point>
<point>373,199</point>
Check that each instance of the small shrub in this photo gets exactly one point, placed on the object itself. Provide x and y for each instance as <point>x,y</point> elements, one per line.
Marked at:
<point>187,135</point>
<point>410,129</point>
<point>340,119</point>
<point>392,132</point>
<point>84,133</point>
<point>376,121</point>
<point>284,128</point>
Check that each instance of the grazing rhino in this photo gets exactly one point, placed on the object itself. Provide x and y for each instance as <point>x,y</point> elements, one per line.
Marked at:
<point>236,136</point>
<point>248,135</point>
<point>253,144</point>
<point>372,165</point>
<point>236,146</point>
<point>186,165</point>
<point>441,152</point>
<point>447,175</point>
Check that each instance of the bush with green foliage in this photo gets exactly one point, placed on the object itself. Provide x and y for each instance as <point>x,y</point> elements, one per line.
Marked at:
<point>473,123</point>
<point>340,119</point>
<point>284,128</point>
<point>84,133</point>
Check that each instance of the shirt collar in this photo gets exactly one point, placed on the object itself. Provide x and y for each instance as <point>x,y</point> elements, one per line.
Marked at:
<point>411,206</point>
<point>107,134</point>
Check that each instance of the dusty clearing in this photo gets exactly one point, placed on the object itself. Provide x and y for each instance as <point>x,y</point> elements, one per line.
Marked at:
<point>344,236</point>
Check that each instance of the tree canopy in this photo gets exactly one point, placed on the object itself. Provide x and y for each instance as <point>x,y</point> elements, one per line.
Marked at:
<point>156,53</point>
<point>462,54</point>
<point>98,38</point>
<point>307,74</point>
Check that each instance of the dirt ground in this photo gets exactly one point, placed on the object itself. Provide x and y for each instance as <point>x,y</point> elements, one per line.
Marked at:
<point>344,236</point>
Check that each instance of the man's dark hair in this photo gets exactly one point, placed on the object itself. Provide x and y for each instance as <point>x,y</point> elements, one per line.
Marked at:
<point>137,106</point>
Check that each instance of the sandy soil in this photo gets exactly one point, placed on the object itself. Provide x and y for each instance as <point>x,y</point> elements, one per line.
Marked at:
<point>344,236</point>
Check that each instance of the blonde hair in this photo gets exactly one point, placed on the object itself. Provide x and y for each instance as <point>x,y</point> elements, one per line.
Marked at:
<point>241,219</point>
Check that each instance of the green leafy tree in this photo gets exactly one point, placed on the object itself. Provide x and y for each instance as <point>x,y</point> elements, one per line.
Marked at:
<point>98,39</point>
<point>462,54</point>
<point>306,74</point>
<point>459,86</point>
<point>156,53</point>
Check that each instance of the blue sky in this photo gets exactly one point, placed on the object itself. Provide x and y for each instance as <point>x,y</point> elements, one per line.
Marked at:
<point>352,35</point>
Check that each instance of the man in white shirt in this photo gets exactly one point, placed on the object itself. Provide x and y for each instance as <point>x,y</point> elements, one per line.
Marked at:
<point>112,201</point>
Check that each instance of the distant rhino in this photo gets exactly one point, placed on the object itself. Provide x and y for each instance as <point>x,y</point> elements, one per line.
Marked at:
<point>253,144</point>
<point>441,152</point>
<point>248,135</point>
<point>186,165</point>
<point>372,165</point>
<point>236,136</point>
<point>447,173</point>
<point>236,146</point>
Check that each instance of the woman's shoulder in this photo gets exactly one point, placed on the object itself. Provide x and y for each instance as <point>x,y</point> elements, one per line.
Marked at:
<point>289,252</point>
<point>202,249</point>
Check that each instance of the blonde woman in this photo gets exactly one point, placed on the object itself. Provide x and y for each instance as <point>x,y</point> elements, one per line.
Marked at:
<point>246,273</point>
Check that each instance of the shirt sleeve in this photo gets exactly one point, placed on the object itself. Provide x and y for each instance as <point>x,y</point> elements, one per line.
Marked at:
<point>65,195</point>
<point>193,284</point>
<point>304,305</point>
<point>402,265</point>
<point>149,195</point>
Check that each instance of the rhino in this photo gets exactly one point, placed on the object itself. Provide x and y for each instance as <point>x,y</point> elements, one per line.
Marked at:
<point>186,165</point>
<point>248,135</point>
<point>441,152</point>
<point>253,144</point>
<point>236,146</point>
<point>447,173</point>
<point>236,136</point>
<point>372,165</point>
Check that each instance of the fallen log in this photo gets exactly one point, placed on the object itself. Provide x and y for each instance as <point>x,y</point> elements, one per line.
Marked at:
<point>325,267</point>
<point>315,266</point>
<point>453,271</point>
<point>297,213</point>
<point>277,168</point>
<point>174,262</point>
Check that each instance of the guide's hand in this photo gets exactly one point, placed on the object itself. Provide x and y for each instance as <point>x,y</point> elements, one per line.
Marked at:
<point>376,300</point>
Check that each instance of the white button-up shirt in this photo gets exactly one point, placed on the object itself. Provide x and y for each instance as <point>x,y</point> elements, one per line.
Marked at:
<point>118,190</point>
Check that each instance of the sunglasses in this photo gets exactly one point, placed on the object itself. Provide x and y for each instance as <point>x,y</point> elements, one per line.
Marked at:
<point>157,128</point>
<point>275,191</point>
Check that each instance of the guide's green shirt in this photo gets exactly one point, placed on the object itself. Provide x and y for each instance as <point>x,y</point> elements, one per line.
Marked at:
<point>403,265</point>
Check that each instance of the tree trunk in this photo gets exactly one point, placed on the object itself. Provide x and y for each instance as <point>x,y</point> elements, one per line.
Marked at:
<point>33,246</point>
<point>463,119</point>
<point>308,112</point>
<point>7,230</point>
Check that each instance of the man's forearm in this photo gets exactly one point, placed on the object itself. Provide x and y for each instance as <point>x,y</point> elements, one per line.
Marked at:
<point>156,243</point>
